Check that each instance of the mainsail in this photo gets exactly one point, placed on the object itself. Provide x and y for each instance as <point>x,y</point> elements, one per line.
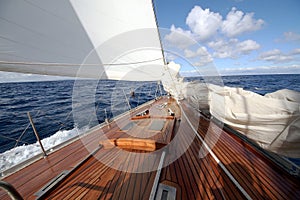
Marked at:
<point>78,38</point>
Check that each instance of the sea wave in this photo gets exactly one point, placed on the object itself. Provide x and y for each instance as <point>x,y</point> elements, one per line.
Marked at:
<point>22,153</point>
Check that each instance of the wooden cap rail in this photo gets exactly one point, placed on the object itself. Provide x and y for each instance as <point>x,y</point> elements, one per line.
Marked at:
<point>132,144</point>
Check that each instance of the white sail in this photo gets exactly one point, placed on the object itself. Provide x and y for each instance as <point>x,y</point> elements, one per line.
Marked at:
<point>86,38</point>
<point>272,121</point>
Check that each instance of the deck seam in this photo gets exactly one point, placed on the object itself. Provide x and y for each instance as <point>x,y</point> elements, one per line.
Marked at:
<point>157,177</point>
<point>217,160</point>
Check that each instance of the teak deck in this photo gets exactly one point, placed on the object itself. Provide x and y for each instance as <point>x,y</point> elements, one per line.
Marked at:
<point>214,164</point>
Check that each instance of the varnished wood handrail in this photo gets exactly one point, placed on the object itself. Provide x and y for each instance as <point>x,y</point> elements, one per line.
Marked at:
<point>11,191</point>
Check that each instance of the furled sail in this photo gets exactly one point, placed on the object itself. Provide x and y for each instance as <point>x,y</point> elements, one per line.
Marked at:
<point>85,38</point>
<point>272,121</point>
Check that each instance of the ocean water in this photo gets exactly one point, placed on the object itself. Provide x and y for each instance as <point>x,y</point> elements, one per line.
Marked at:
<point>261,84</point>
<point>52,105</point>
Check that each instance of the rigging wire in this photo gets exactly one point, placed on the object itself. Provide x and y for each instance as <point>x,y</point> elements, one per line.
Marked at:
<point>20,137</point>
<point>10,138</point>
<point>62,124</point>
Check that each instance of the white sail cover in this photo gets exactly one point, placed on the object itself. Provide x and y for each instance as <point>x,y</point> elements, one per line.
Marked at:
<point>272,120</point>
<point>87,38</point>
<point>172,81</point>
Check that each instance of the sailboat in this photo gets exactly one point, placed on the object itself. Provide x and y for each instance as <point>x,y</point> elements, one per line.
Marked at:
<point>175,146</point>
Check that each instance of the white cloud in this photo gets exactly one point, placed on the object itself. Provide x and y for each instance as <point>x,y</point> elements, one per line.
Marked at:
<point>222,48</point>
<point>208,70</point>
<point>291,36</point>
<point>289,69</point>
<point>232,48</point>
<point>275,56</point>
<point>237,23</point>
<point>202,51</point>
<point>204,23</point>
<point>19,77</point>
<point>220,37</point>
<point>169,56</point>
<point>202,56</point>
<point>189,73</point>
<point>247,46</point>
<point>295,52</point>
<point>179,38</point>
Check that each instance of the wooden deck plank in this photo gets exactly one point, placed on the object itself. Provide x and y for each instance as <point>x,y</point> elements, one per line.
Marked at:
<point>85,177</point>
<point>82,172</point>
<point>133,185</point>
<point>232,167</point>
<point>270,171</point>
<point>262,174</point>
<point>122,185</point>
<point>119,184</point>
<point>263,184</point>
<point>32,178</point>
<point>112,186</point>
<point>204,169</point>
<point>193,157</point>
<point>187,166</point>
<point>194,177</point>
<point>43,168</point>
<point>247,180</point>
<point>210,172</point>
<point>138,189</point>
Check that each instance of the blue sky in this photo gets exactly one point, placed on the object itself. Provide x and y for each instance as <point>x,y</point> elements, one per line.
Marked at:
<point>235,36</point>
